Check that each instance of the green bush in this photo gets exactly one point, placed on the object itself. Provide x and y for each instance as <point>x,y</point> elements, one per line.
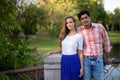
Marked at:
<point>13,49</point>
<point>3,77</point>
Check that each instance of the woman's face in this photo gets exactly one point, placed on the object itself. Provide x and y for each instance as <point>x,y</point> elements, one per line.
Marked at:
<point>70,23</point>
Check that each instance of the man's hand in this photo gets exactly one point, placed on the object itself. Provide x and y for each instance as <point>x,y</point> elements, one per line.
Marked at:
<point>108,61</point>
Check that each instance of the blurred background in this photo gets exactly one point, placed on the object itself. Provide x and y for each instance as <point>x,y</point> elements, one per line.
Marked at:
<point>30,28</point>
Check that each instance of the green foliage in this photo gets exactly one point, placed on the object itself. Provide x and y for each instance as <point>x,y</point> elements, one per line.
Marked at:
<point>3,77</point>
<point>14,54</point>
<point>95,7</point>
<point>13,48</point>
<point>116,19</point>
<point>54,33</point>
<point>31,17</point>
<point>57,10</point>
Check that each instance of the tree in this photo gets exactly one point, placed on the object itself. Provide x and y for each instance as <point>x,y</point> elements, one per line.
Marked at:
<point>13,47</point>
<point>57,11</point>
<point>30,18</point>
<point>116,19</point>
<point>110,21</point>
<point>96,9</point>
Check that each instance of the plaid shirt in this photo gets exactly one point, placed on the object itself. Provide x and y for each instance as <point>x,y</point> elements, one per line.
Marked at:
<point>92,40</point>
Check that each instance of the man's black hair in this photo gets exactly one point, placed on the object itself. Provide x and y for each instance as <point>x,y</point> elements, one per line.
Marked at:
<point>82,13</point>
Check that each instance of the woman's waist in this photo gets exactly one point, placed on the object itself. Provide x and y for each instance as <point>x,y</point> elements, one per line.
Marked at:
<point>69,53</point>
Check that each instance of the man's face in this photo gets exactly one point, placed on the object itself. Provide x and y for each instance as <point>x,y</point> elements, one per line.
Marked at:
<point>85,20</point>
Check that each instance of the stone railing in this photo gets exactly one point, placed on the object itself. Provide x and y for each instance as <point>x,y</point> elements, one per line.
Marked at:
<point>52,68</point>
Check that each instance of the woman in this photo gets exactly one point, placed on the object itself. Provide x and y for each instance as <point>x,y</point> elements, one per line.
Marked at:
<point>71,46</point>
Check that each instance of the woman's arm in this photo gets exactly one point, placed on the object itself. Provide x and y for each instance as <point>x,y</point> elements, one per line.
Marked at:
<point>53,52</point>
<point>80,53</point>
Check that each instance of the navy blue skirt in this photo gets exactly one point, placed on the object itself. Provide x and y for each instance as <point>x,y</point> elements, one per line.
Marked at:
<point>70,67</point>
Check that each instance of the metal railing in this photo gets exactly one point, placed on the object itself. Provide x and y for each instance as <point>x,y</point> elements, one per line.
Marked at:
<point>34,73</point>
<point>112,71</point>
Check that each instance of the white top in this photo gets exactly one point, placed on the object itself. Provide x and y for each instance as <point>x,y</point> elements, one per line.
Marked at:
<point>71,43</point>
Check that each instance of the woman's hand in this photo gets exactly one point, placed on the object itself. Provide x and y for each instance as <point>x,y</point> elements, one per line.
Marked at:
<point>52,52</point>
<point>81,72</point>
<point>47,54</point>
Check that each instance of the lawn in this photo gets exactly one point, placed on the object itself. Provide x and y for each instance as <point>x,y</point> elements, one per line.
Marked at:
<point>114,36</point>
<point>45,43</point>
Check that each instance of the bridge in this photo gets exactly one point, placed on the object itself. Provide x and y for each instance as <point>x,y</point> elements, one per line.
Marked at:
<point>50,70</point>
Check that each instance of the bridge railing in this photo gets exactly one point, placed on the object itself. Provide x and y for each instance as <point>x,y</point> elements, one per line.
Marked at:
<point>51,70</point>
<point>112,71</point>
<point>33,73</point>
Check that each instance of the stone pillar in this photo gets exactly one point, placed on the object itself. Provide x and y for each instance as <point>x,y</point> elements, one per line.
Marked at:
<point>52,67</point>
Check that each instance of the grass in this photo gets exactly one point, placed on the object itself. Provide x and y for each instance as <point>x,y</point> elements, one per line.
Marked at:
<point>114,36</point>
<point>44,43</point>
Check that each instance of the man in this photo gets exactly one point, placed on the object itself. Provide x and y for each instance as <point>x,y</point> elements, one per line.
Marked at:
<point>93,33</point>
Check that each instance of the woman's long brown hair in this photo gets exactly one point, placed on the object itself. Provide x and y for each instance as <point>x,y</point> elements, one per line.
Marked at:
<point>64,30</point>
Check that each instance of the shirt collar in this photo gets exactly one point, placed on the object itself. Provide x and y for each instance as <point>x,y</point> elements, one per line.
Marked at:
<point>92,24</point>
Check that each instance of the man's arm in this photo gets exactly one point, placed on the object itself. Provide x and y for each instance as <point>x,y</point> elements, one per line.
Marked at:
<point>107,45</point>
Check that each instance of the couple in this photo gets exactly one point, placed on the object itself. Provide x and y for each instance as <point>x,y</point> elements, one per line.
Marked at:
<point>82,54</point>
